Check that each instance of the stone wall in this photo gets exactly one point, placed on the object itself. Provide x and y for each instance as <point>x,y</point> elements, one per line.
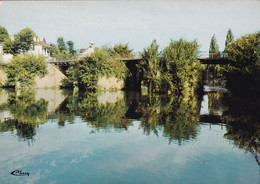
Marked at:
<point>105,83</point>
<point>53,78</point>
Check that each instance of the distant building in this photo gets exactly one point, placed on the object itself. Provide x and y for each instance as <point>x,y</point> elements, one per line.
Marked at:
<point>38,48</point>
<point>4,58</point>
<point>88,51</point>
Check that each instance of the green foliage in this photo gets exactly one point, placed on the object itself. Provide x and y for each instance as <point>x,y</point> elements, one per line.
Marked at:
<point>176,116</point>
<point>121,50</point>
<point>242,123</point>
<point>60,53</point>
<point>61,44</point>
<point>24,69</point>
<point>24,39</point>
<point>51,49</point>
<point>71,47</point>
<point>86,72</point>
<point>22,42</point>
<point>214,48</point>
<point>244,69</point>
<point>180,65</point>
<point>153,76</point>
<point>10,47</point>
<point>3,34</point>
<point>229,38</point>
<point>176,68</point>
<point>27,113</point>
<point>26,109</point>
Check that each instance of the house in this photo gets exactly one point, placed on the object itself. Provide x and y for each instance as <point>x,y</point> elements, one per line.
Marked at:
<point>38,48</point>
<point>4,58</point>
<point>86,52</point>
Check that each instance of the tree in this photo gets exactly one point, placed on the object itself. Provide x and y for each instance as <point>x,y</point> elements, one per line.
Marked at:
<point>52,49</point>
<point>44,40</point>
<point>71,47</point>
<point>121,50</point>
<point>229,38</point>
<point>10,47</point>
<point>86,72</point>
<point>152,71</point>
<point>61,55</point>
<point>244,68</point>
<point>181,66</point>
<point>214,48</point>
<point>3,34</point>
<point>24,69</point>
<point>61,44</point>
<point>23,40</point>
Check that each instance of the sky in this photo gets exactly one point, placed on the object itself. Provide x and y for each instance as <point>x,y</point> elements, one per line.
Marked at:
<point>111,22</point>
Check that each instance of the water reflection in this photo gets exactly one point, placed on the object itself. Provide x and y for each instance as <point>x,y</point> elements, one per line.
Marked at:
<point>239,114</point>
<point>173,117</point>
<point>89,136</point>
<point>24,111</point>
<point>242,122</point>
<point>176,117</point>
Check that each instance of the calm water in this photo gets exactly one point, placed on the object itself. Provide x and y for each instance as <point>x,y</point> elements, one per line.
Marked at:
<point>126,137</point>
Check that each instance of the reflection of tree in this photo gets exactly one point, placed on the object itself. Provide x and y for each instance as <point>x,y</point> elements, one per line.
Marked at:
<point>25,108</point>
<point>243,126</point>
<point>215,102</point>
<point>24,131</point>
<point>27,113</point>
<point>109,115</point>
<point>176,116</point>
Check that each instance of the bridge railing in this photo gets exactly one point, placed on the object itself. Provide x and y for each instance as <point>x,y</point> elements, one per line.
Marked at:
<point>206,54</point>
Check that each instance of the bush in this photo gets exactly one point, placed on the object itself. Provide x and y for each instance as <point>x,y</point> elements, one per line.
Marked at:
<point>86,72</point>
<point>181,65</point>
<point>243,72</point>
<point>24,69</point>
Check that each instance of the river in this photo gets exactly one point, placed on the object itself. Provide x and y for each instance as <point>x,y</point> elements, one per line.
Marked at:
<point>55,136</point>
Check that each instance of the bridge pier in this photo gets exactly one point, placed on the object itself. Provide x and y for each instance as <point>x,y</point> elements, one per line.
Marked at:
<point>133,82</point>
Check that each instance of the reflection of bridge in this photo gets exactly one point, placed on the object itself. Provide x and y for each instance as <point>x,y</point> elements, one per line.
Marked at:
<point>214,119</point>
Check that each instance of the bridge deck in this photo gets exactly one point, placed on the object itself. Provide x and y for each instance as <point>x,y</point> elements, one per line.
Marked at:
<point>61,63</point>
<point>221,61</point>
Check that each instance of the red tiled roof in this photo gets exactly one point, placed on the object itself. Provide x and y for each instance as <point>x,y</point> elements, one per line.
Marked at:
<point>82,50</point>
<point>41,43</point>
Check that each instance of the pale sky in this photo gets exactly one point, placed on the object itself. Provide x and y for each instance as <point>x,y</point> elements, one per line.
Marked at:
<point>133,22</point>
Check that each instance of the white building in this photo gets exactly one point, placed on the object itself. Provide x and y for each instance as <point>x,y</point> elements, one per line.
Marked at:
<point>38,48</point>
<point>4,58</point>
<point>87,51</point>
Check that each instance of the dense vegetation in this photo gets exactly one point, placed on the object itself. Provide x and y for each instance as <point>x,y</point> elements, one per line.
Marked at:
<point>63,51</point>
<point>22,42</point>
<point>170,116</point>
<point>214,48</point>
<point>3,34</point>
<point>244,71</point>
<point>22,70</point>
<point>86,72</point>
<point>175,69</point>
<point>27,113</point>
